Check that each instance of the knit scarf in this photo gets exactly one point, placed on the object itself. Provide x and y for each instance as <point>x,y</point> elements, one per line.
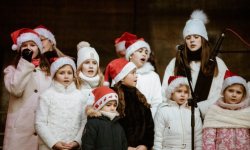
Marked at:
<point>35,62</point>
<point>93,82</point>
<point>218,117</point>
<point>204,82</point>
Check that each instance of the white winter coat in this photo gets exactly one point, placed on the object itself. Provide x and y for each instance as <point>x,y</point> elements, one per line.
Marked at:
<point>24,83</point>
<point>216,85</point>
<point>60,115</point>
<point>149,84</point>
<point>173,127</point>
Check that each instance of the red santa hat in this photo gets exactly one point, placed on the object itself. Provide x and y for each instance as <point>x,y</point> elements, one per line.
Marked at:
<point>134,45</point>
<point>100,96</point>
<point>232,78</point>
<point>175,82</point>
<point>120,42</point>
<point>117,70</point>
<point>41,30</point>
<point>23,35</point>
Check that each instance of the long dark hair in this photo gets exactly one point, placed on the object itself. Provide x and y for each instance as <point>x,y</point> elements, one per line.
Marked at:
<point>205,54</point>
<point>44,64</point>
<point>122,105</point>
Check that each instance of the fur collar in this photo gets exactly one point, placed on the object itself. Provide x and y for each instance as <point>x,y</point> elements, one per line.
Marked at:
<point>91,112</point>
<point>62,89</point>
<point>218,117</point>
<point>146,68</point>
<point>93,82</point>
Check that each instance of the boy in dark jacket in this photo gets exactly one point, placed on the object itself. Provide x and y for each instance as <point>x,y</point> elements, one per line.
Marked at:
<point>102,130</point>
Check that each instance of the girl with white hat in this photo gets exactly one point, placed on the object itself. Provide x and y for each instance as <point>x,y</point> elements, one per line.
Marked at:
<point>60,116</point>
<point>25,80</point>
<point>88,74</point>
<point>206,79</point>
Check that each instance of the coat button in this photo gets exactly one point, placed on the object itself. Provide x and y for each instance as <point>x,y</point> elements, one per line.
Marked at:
<point>35,134</point>
<point>35,91</point>
<point>34,70</point>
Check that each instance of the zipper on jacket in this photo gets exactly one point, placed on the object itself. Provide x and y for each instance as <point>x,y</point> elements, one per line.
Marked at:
<point>183,132</point>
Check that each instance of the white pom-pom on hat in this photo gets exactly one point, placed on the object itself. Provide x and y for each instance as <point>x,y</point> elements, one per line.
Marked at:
<point>200,15</point>
<point>14,47</point>
<point>82,44</point>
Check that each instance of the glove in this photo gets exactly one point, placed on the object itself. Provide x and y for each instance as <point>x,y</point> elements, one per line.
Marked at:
<point>27,54</point>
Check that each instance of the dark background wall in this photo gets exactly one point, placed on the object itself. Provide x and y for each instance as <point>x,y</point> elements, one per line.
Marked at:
<point>100,22</point>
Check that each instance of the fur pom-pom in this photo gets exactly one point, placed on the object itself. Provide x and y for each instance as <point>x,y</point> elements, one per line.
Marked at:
<point>82,44</point>
<point>14,47</point>
<point>106,83</point>
<point>199,14</point>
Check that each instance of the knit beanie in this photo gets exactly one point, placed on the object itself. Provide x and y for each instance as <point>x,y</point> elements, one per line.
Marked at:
<point>100,96</point>
<point>196,24</point>
<point>86,52</point>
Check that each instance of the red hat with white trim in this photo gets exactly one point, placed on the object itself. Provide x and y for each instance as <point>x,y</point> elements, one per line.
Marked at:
<point>41,30</point>
<point>23,35</point>
<point>118,69</point>
<point>101,96</point>
<point>175,82</point>
<point>233,78</point>
<point>134,45</point>
<point>120,42</point>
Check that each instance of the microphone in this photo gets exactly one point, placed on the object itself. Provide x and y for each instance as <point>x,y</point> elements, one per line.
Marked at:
<point>216,48</point>
<point>180,47</point>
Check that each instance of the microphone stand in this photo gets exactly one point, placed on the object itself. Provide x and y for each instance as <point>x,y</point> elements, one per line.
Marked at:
<point>193,101</point>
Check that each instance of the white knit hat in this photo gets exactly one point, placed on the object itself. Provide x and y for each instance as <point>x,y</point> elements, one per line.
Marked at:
<point>41,30</point>
<point>23,35</point>
<point>59,62</point>
<point>86,52</point>
<point>175,82</point>
<point>196,24</point>
<point>232,78</point>
<point>134,45</point>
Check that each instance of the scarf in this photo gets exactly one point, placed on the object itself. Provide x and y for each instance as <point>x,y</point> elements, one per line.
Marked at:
<point>204,82</point>
<point>110,115</point>
<point>218,117</point>
<point>35,62</point>
<point>222,104</point>
<point>93,82</point>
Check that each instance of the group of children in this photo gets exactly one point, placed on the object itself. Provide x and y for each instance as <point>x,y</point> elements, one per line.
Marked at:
<point>55,104</point>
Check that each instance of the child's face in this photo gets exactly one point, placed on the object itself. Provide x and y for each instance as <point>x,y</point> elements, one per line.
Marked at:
<point>65,75</point>
<point>121,54</point>
<point>233,94</point>
<point>193,42</point>
<point>130,79</point>
<point>110,106</point>
<point>47,44</point>
<point>89,68</point>
<point>139,57</point>
<point>31,46</point>
<point>180,95</point>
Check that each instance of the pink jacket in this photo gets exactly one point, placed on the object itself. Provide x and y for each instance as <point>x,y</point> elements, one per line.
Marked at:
<point>24,83</point>
<point>226,129</point>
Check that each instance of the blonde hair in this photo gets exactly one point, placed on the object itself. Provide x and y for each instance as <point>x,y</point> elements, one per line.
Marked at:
<point>78,80</point>
<point>188,89</point>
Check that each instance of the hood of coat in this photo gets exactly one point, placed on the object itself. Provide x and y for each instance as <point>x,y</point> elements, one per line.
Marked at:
<point>146,68</point>
<point>92,113</point>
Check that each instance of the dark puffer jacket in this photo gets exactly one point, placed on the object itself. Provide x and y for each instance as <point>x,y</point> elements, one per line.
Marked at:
<point>101,133</point>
